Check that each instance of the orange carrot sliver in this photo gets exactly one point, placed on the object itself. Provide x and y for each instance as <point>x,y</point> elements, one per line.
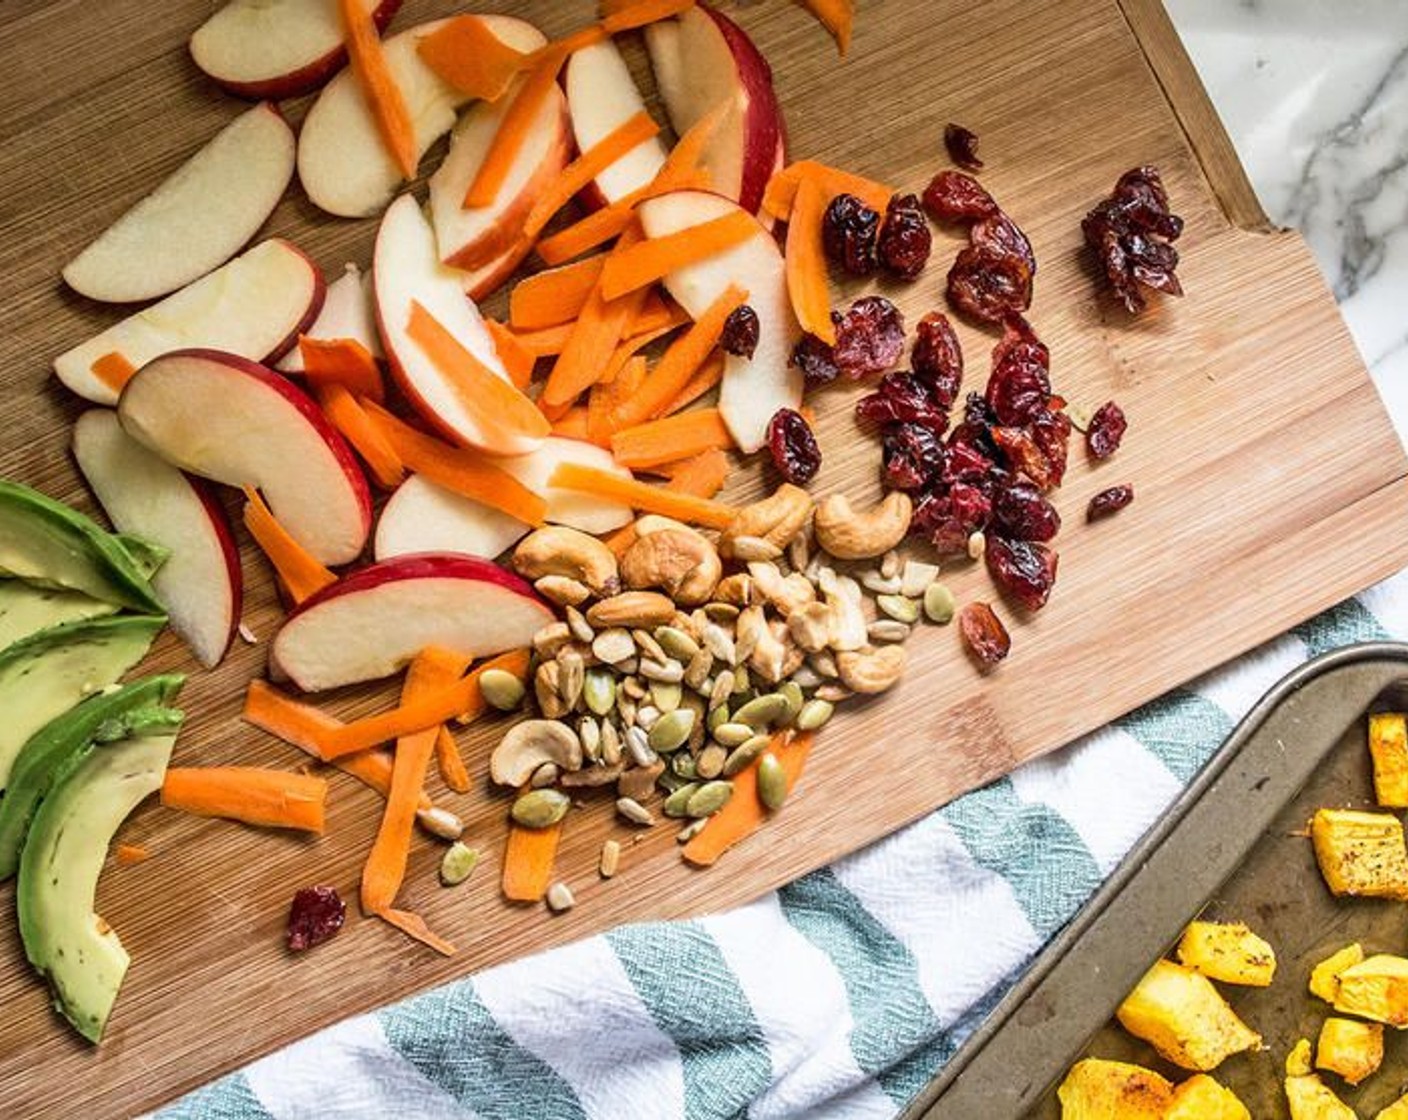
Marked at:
<point>806,263</point>
<point>642,496</point>
<point>781,190</point>
<point>573,424</point>
<point>545,342</point>
<point>128,854</point>
<point>657,257</point>
<point>702,475</point>
<point>583,170</point>
<point>513,129</point>
<point>113,370</point>
<point>745,813</point>
<point>267,798</point>
<point>528,860</point>
<point>637,342</point>
<point>413,925</point>
<point>568,45</point>
<point>343,361</point>
<point>471,58</point>
<point>300,573</point>
<point>627,17</point>
<point>349,418</point>
<point>606,395</point>
<point>555,296</point>
<point>668,440</point>
<point>836,16</point>
<point>518,360</point>
<point>450,761</point>
<point>388,104</point>
<point>705,378</point>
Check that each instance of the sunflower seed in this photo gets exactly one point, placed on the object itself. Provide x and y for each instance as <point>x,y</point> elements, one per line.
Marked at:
<point>501,689</point>
<point>939,604</point>
<point>723,689</point>
<point>691,830</point>
<point>638,747</point>
<point>667,697</point>
<point>560,898</point>
<point>545,775</point>
<point>677,804</point>
<point>572,677</point>
<point>708,799</point>
<point>824,663</point>
<point>887,630</point>
<point>710,763</point>
<point>626,709</point>
<point>634,811</point>
<point>899,608</point>
<point>671,731</point>
<point>743,755</point>
<point>732,734</point>
<point>440,822</point>
<point>772,782</point>
<point>610,743</point>
<point>457,864</point>
<point>610,858</point>
<point>646,715</point>
<point>545,689</point>
<point>814,713</point>
<point>634,687</point>
<point>589,731</point>
<point>890,564</point>
<point>540,808</point>
<point>669,671</point>
<point>649,646</point>
<point>881,585</point>
<point>614,645</point>
<point>579,626</point>
<point>833,693</point>
<point>977,545</point>
<point>807,677</point>
<point>763,712</point>
<point>696,673</point>
<point>916,577</point>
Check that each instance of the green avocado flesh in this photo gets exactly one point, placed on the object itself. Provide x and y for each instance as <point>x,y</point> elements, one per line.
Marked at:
<point>46,674</point>
<point>135,709</point>
<point>82,957</point>
<point>45,542</point>
<point>26,608</point>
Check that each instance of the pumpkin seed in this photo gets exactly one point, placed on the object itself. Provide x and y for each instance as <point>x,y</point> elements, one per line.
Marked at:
<point>733,734</point>
<point>708,799</point>
<point>722,613</point>
<point>669,671</point>
<point>899,608</point>
<point>589,731</point>
<point>610,743</point>
<point>614,645</point>
<point>610,858</point>
<point>634,811</point>
<point>638,746</point>
<point>676,643</point>
<point>457,864</point>
<point>939,604</point>
<point>691,830</point>
<point>742,680</point>
<point>440,822</point>
<point>916,577</point>
<point>668,780</point>
<point>560,898</point>
<point>710,761</point>
<point>671,730</point>
<point>718,717</point>
<point>667,697</point>
<point>677,804</point>
<point>598,690</point>
<point>646,715</point>
<point>649,646</point>
<point>807,677</point>
<point>683,766</point>
<point>501,689</point>
<point>792,693</point>
<point>743,755</point>
<point>579,626</point>
<point>814,713</point>
<point>764,711</point>
<point>887,630</point>
<point>540,808</point>
<point>544,776</point>
<point>772,782</point>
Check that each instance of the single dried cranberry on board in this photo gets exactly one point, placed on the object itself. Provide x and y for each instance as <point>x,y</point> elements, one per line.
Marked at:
<point>902,397</point>
<point>912,456</point>
<point>1109,501</point>
<point>849,230</point>
<point>740,333</point>
<point>949,515</point>
<point>1051,431</point>
<point>315,914</point>
<point>1024,570</point>
<point>1106,430</point>
<point>1130,232</point>
<point>816,360</point>
<point>1020,513</point>
<point>1019,388</point>
<point>987,639</point>
<point>793,446</point>
<point>962,145</point>
<point>937,357</point>
<point>989,286</point>
<point>869,338</point>
<point>955,197</point>
<point>905,239</point>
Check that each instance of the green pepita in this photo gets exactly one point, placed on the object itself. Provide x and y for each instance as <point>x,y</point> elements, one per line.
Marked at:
<point>683,766</point>
<point>667,696</point>
<point>743,756</point>
<point>792,693</point>
<point>598,689</point>
<point>540,808</point>
<point>732,734</point>
<point>814,713</point>
<point>939,604</point>
<point>670,731</point>
<point>763,711</point>
<point>676,643</point>
<point>718,717</point>
<point>898,607</point>
<point>708,799</point>
<point>501,689</point>
<point>772,782</point>
<point>677,804</point>
<point>458,863</point>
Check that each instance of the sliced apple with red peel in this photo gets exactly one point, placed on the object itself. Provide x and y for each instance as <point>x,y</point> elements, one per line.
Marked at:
<point>703,58</point>
<point>603,96</point>
<point>342,160</point>
<point>406,269</point>
<point>277,48</point>
<point>256,306</point>
<point>482,282</point>
<point>348,312</point>
<point>200,583</point>
<point>233,421</point>
<point>422,516</point>
<point>753,389</point>
<point>372,622</point>
<point>573,508</point>
<point>197,219</point>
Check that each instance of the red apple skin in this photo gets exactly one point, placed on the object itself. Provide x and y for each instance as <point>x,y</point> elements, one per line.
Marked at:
<point>315,305</point>
<point>220,525</point>
<point>307,78</point>
<point>764,130</point>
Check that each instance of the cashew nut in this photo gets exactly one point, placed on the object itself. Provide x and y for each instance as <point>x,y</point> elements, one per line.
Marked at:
<point>784,594</point>
<point>775,519</point>
<point>529,745</point>
<point>870,671</point>
<point>810,626</point>
<point>563,591</point>
<point>678,561</point>
<point>849,535</point>
<point>560,551</point>
<point>655,522</point>
<point>843,597</point>
<point>735,590</point>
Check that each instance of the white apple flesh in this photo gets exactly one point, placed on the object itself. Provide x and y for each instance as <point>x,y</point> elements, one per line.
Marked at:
<point>422,516</point>
<point>256,306</point>
<point>348,312</point>
<point>200,584</point>
<point>233,421</point>
<point>372,622</point>
<point>570,507</point>
<point>602,96</point>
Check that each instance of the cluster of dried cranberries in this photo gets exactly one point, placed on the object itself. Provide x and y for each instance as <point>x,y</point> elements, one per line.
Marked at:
<point>992,278</point>
<point>1131,231</point>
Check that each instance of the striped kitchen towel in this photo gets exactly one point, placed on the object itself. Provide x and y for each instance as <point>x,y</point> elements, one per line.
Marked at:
<point>839,996</point>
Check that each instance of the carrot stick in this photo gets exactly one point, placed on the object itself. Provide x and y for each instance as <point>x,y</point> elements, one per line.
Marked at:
<point>607,395</point>
<point>349,418</point>
<point>703,475</point>
<point>388,105</point>
<point>128,854</point>
<point>628,17</point>
<point>458,469</point>
<point>518,360</point>
<point>450,762</point>
<point>573,424</point>
<point>745,813</point>
<point>471,58</point>
<point>675,437</point>
<point>837,17</point>
<point>583,170</point>
<point>413,925</point>
<point>657,257</point>
<point>782,187</point>
<point>344,361</point>
<point>681,361</point>
<point>546,342</point>
<point>555,296</point>
<point>705,378</point>
<point>268,798</point>
<point>113,370</point>
<point>633,345</point>
<point>806,263</point>
<point>528,860</point>
<point>513,130</point>
<point>299,572</point>
<point>656,314</point>
<point>642,496</point>
<point>515,661</point>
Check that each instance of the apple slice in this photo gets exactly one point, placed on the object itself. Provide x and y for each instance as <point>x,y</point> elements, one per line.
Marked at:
<point>255,307</point>
<point>230,420</point>
<point>277,48</point>
<point>603,96</point>
<point>342,161</point>
<point>406,267</point>
<point>701,59</point>
<point>425,517</point>
<point>371,623</point>
<point>348,312</point>
<point>197,219</point>
<point>570,507</point>
<point>482,282</point>
<point>752,389</point>
<point>200,584</point>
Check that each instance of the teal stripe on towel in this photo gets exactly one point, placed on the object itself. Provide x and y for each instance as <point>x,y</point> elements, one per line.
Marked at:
<point>1181,729</point>
<point>230,1098</point>
<point>1341,625</point>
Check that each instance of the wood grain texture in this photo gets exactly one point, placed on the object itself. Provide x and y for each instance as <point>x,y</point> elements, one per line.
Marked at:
<point>1265,469</point>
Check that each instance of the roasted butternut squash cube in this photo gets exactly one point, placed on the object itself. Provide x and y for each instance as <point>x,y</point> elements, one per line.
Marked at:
<point>1377,989</point>
<point>1298,1060</point>
<point>1325,976</point>
<point>1350,1048</point>
<point>1202,1098</point>
<point>1398,1110</point>
<point>1310,1098</point>
<point>1182,1016</point>
<point>1361,853</point>
<point>1227,951</point>
<point>1388,746</point>
<point>1096,1089</point>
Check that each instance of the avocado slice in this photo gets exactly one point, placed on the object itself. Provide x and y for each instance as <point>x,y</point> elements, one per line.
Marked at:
<point>134,709</point>
<point>45,542</point>
<point>147,555</point>
<point>75,950</point>
<point>46,674</point>
<point>26,609</point>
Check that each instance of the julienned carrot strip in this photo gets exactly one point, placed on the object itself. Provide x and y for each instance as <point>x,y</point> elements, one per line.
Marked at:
<point>128,854</point>
<point>113,370</point>
<point>388,105</point>
<point>632,346</point>
<point>300,573</point>
<point>450,762</point>
<point>627,17</point>
<point>349,418</point>
<point>554,296</point>
<point>705,378</point>
<point>837,17</point>
<point>573,424</point>
<point>515,661</point>
<point>513,129</point>
<point>657,257</point>
<point>702,476</point>
<point>642,496</point>
<point>546,342</point>
<point>518,360</point>
<point>344,361</point>
<point>745,813</point>
<point>681,360</point>
<point>471,58</point>
<point>413,925</point>
<point>569,44</point>
<point>782,187</point>
<point>583,170</point>
<point>670,439</point>
<point>656,314</point>
<point>606,395</point>
<point>806,263</point>
<point>495,404</point>
<point>267,798</point>
<point>459,469</point>
<point>528,859</point>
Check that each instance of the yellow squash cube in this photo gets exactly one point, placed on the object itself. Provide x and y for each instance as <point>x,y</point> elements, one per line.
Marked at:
<point>1361,853</point>
<point>1325,976</point>
<point>1298,1060</point>
<point>1229,952</point>
<point>1376,988</point>
<point>1398,1110</point>
<point>1182,1016</point>
<point>1099,1090</point>
<point>1350,1048</point>
<point>1310,1098</point>
<point>1388,745</point>
<point>1202,1098</point>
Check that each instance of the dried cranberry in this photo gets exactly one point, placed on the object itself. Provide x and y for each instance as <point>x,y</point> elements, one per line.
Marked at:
<point>962,145</point>
<point>1106,430</point>
<point>902,397</point>
<point>988,286</point>
<point>849,231</point>
<point>1109,501</point>
<point>1023,569</point>
<point>740,333</point>
<point>1000,235</point>
<point>1024,455</point>
<point>1020,513</point>
<point>315,914</point>
<point>816,361</point>
<point>1051,432</point>
<point>869,337</point>
<point>1019,388</point>
<point>937,357</point>
<point>987,639</point>
<point>965,463</point>
<point>1019,338</point>
<point>913,456</point>
<point>971,507</point>
<point>948,517</point>
<point>793,447</point>
<point>905,240</point>
<point>1130,232</point>
<point>955,197</point>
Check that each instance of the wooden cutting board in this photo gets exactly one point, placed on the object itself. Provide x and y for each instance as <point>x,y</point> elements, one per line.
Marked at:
<point>1269,487</point>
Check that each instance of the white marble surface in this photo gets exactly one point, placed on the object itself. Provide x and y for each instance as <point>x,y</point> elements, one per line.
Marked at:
<point>1315,96</point>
